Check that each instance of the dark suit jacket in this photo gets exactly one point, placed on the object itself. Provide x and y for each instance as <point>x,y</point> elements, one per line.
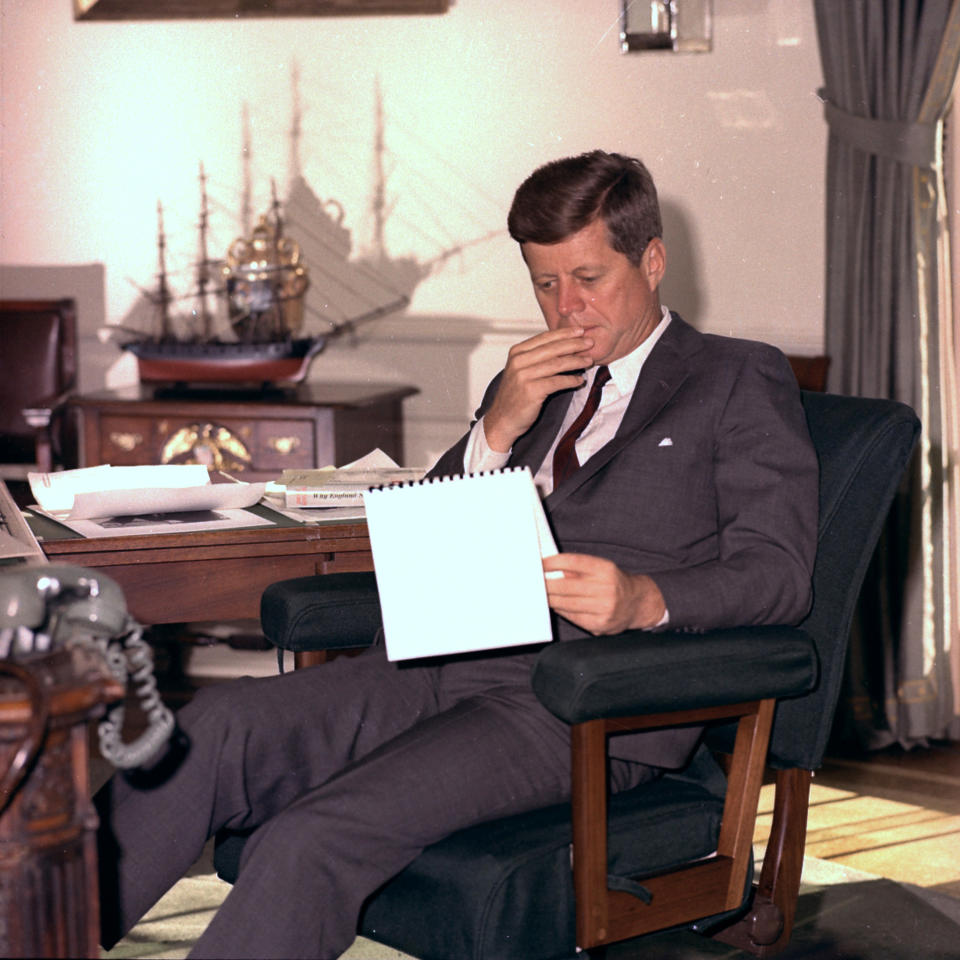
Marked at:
<point>709,486</point>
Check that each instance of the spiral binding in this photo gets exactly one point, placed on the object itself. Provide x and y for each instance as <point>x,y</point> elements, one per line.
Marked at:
<point>447,478</point>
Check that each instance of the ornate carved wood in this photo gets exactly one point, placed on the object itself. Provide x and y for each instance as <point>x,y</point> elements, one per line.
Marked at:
<point>49,906</point>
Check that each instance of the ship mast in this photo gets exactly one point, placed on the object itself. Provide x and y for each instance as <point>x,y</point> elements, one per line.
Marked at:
<point>163,290</point>
<point>278,277</point>
<point>246,207</point>
<point>203,264</point>
<point>296,169</point>
<point>379,201</point>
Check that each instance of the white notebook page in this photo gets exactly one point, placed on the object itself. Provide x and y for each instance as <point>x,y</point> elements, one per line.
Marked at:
<point>458,563</point>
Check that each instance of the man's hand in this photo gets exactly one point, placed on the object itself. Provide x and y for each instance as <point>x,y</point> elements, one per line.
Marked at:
<point>598,596</point>
<point>535,368</point>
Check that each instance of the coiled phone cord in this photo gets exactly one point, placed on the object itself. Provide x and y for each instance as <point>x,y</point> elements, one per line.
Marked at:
<point>133,656</point>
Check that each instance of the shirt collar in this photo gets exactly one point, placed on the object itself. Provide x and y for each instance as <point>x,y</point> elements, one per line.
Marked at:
<point>625,371</point>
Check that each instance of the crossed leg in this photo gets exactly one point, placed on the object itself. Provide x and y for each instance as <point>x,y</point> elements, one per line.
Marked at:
<point>352,768</point>
<point>306,873</point>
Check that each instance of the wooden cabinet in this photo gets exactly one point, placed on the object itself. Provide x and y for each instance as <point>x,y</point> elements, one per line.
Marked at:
<point>256,434</point>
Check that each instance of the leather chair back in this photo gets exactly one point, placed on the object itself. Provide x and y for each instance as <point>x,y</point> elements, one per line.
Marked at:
<point>39,365</point>
<point>855,439</point>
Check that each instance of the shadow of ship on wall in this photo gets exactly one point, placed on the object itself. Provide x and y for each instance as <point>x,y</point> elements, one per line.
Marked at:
<point>198,338</point>
<point>309,289</point>
<point>345,290</point>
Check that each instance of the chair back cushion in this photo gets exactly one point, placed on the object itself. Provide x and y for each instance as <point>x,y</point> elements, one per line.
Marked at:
<point>39,338</point>
<point>863,446</point>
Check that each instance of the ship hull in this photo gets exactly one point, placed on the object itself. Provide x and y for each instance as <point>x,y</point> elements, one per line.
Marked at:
<point>235,363</point>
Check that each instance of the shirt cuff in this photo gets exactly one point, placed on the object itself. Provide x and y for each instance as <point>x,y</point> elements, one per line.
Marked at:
<point>478,456</point>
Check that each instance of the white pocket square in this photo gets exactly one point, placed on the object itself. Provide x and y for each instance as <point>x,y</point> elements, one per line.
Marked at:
<point>665,442</point>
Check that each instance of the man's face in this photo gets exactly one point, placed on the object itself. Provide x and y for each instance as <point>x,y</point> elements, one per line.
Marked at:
<point>582,281</point>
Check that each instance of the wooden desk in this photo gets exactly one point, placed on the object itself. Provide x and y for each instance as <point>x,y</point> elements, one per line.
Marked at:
<point>220,575</point>
<point>255,433</point>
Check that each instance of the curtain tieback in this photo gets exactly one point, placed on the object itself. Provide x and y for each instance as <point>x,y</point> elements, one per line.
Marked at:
<point>916,144</point>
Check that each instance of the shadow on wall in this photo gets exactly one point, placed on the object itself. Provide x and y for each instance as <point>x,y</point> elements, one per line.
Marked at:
<point>681,288</point>
<point>445,357</point>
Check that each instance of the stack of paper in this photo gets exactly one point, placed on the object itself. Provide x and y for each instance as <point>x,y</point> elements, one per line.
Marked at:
<point>108,501</point>
<point>107,491</point>
<point>339,488</point>
<point>335,493</point>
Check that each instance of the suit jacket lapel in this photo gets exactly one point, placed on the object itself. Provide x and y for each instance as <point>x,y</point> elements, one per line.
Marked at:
<point>663,372</point>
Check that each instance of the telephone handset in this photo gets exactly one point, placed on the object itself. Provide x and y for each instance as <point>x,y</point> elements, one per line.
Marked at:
<point>51,607</point>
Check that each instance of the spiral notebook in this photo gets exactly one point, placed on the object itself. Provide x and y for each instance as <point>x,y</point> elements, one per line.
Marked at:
<point>458,563</point>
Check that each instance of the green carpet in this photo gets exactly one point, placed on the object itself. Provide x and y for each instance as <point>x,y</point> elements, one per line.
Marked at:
<point>169,930</point>
<point>843,914</point>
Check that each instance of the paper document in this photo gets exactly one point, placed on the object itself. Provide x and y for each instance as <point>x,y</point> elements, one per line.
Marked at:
<point>328,487</point>
<point>312,514</point>
<point>16,537</point>
<point>458,563</point>
<point>107,491</point>
<point>151,524</point>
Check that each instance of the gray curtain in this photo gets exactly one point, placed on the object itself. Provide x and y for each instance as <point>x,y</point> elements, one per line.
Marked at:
<point>889,68</point>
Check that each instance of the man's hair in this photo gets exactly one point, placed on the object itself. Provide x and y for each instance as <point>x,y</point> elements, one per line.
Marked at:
<point>564,196</point>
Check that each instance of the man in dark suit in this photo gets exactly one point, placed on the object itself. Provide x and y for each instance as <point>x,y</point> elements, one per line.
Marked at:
<point>681,486</point>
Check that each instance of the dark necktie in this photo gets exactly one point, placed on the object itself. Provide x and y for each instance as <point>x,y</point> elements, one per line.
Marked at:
<point>565,460</point>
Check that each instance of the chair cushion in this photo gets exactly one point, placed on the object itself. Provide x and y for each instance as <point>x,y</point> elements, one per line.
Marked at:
<point>503,890</point>
<point>321,613</point>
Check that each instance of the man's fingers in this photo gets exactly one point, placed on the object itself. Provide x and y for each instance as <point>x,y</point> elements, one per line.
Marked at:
<point>536,368</point>
<point>548,346</point>
<point>546,337</point>
<point>576,563</point>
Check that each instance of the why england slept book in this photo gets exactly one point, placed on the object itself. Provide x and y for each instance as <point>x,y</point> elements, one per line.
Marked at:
<point>458,563</point>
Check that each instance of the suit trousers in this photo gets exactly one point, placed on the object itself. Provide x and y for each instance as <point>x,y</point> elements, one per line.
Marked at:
<point>348,770</point>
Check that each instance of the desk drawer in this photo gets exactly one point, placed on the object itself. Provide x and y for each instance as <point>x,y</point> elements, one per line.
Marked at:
<point>346,561</point>
<point>237,446</point>
<point>126,441</point>
<point>285,444</point>
<point>254,433</point>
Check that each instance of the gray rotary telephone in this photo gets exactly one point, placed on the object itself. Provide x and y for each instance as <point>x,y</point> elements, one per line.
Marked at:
<point>54,607</point>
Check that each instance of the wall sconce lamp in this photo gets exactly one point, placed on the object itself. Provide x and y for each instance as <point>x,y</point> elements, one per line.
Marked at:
<point>684,26</point>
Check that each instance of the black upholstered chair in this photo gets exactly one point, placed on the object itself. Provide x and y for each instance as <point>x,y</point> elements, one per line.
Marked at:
<point>678,851</point>
<point>39,370</point>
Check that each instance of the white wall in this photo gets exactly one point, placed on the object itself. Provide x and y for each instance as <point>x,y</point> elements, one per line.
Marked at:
<point>102,120</point>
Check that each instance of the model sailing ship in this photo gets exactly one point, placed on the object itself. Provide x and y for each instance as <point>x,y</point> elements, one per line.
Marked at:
<point>262,281</point>
<point>257,330</point>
